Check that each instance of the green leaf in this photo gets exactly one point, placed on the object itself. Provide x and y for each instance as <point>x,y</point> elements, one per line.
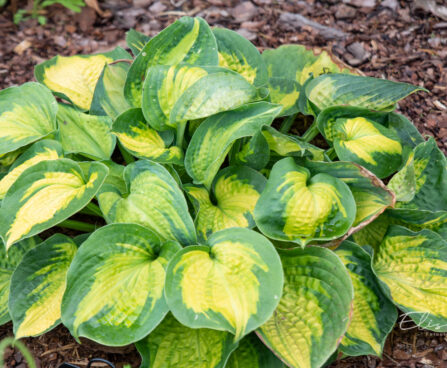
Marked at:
<point>373,314</point>
<point>88,135</point>
<point>27,114</point>
<point>403,183</point>
<point>136,41</point>
<point>300,207</point>
<point>188,40</point>
<point>372,234</point>
<point>313,314</point>
<point>108,98</point>
<point>193,348</point>
<point>38,284</point>
<point>255,153</point>
<point>154,201</point>
<point>8,263</point>
<point>344,89</point>
<point>74,78</point>
<point>417,220</point>
<point>234,284</point>
<point>213,138</point>
<point>142,141</point>
<point>240,55</point>
<point>40,151</point>
<point>231,202</point>
<point>45,195</point>
<point>412,268</point>
<point>174,94</point>
<point>252,353</point>
<point>115,285</point>
<point>286,93</point>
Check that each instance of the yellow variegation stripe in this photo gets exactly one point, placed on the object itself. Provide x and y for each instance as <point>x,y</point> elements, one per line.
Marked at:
<point>44,198</point>
<point>368,204</point>
<point>323,64</point>
<point>239,66</point>
<point>363,139</point>
<point>75,77</point>
<point>222,284</point>
<point>10,178</point>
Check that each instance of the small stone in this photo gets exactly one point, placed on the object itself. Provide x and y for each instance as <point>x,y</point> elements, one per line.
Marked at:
<point>142,3</point>
<point>401,355</point>
<point>247,34</point>
<point>390,4</point>
<point>244,11</point>
<point>60,41</point>
<point>357,54</point>
<point>345,12</point>
<point>434,42</point>
<point>22,47</point>
<point>18,357</point>
<point>361,3</point>
<point>157,7</point>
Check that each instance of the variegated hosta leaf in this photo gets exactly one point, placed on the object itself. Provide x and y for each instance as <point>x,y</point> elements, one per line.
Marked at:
<point>115,285</point>
<point>174,94</point>
<point>38,284</point>
<point>372,234</point>
<point>88,135</point>
<point>369,144</point>
<point>373,314</point>
<point>27,114</point>
<point>108,98</point>
<point>234,284</point>
<point>136,41</point>
<point>74,77</point>
<point>45,195</point>
<point>7,159</point>
<point>8,263</point>
<point>142,141</point>
<point>240,55</point>
<point>413,270</point>
<point>403,183</point>
<point>430,175</point>
<point>255,153</point>
<point>154,201</point>
<point>252,353</point>
<point>173,345</point>
<point>300,207</point>
<point>370,194</point>
<point>295,62</point>
<point>235,191</point>
<point>344,89</point>
<point>314,311</point>
<point>285,92</point>
<point>188,40</point>
<point>213,138</point>
<point>288,145</point>
<point>40,151</point>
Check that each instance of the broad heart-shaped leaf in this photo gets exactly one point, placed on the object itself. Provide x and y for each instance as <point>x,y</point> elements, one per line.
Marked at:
<point>373,314</point>
<point>39,151</point>
<point>314,311</point>
<point>154,201</point>
<point>174,94</point>
<point>300,207</point>
<point>369,144</point>
<point>234,284</point>
<point>85,134</point>
<point>252,353</point>
<point>230,203</point>
<point>108,98</point>
<point>371,195</point>
<point>285,92</point>
<point>240,55</point>
<point>115,285</point>
<point>136,41</point>
<point>142,141</point>
<point>288,145</point>
<point>173,345</point>
<point>344,89</point>
<point>188,40</point>
<point>429,167</point>
<point>213,138</point>
<point>27,113</point>
<point>254,153</point>
<point>74,77</point>
<point>412,268</point>
<point>8,263</point>
<point>372,234</point>
<point>38,284</point>
<point>296,63</point>
<point>45,195</point>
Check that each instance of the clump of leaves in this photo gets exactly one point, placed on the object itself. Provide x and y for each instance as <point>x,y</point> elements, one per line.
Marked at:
<point>216,237</point>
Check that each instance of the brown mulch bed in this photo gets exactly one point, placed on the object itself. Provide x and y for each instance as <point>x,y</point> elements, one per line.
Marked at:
<point>388,39</point>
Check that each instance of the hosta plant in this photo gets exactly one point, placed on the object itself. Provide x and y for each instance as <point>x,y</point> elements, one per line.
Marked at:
<point>226,208</point>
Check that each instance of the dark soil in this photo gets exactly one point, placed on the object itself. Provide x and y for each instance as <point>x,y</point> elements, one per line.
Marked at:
<point>388,39</point>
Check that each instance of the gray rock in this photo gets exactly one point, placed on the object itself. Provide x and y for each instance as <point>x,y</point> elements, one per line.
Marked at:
<point>142,3</point>
<point>157,7</point>
<point>345,12</point>
<point>390,4</point>
<point>244,11</point>
<point>361,3</point>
